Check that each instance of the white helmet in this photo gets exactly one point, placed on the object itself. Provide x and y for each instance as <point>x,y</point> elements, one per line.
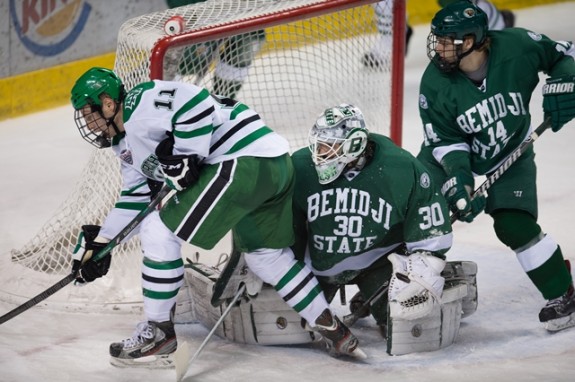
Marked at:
<point>339,137</point>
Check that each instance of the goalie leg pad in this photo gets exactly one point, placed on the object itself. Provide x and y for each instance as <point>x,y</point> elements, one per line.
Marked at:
<point>235,273</point>
<point>265,319</point>
<point>435,331</point>
<point>463,273</point>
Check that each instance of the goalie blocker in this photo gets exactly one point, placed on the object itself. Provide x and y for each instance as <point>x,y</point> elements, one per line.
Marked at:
<point>265,319</point>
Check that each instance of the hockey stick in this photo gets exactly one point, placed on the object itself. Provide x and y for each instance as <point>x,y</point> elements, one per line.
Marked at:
<point>512,158</point>
<point>164,191</point>
<point>182,369</point>
<point>351,318</point>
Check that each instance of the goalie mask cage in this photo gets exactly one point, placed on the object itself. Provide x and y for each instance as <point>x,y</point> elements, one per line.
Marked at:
<point>310,59</point>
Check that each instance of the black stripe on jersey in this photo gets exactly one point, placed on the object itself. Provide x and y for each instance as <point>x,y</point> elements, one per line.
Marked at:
<point>198,117</point>
<point>210,197</point>
<point>162,280</point>
<point>299,287</point>
<point>232,131</point>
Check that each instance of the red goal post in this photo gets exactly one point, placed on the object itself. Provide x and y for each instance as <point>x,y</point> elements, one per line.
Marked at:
<point>310,60</point>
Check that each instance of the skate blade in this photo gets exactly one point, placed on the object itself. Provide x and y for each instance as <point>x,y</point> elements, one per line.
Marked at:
<point>164,361</point>
<point>560,323</point>
<point>182,360</point>
<point>357,354</point>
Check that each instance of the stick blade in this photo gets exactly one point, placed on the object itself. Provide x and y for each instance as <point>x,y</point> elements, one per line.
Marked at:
<point>182,359</point>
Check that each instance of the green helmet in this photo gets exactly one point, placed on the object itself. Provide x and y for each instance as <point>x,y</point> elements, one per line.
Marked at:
<point>460,19</point>
<point>92,84</point>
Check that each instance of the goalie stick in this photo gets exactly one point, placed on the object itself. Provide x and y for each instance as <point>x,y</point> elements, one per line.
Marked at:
<point>164,192</point>
<point>351,318</point>
<point>182,361</point>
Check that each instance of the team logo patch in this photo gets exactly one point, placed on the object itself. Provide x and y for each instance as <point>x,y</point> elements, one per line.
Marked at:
<point>424,180</point>
<point>534,36</point>
<point>126,156</point>
<point>469,12</point>
<point>132,98</point>
<point>423,102</point>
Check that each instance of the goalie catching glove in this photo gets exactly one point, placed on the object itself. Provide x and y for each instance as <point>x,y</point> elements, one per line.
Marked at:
<point>180,171</point>
<point>90,244</point>
<point>415,286</point>
<point>559,100</point>
<point>456,192</point>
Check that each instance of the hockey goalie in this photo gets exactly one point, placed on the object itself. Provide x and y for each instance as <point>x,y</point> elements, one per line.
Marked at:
<point>347,227</point>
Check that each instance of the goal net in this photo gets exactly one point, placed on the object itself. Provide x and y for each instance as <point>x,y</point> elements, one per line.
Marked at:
<point>288,60</point>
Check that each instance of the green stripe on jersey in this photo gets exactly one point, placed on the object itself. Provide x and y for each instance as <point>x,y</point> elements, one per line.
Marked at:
<point>199,98</point>
<point>237,110</point>
<point>194,133</point>
<point>130,191</point>
<point>249,139</point>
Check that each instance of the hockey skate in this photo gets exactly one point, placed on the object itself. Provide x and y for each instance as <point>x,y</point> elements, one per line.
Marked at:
<point>337,337</point>
<point>151,346</point>
<point>559,313</point>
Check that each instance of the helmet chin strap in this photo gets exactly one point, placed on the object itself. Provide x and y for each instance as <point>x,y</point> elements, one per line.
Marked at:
<point>461,56</point>
<point>448,67</point>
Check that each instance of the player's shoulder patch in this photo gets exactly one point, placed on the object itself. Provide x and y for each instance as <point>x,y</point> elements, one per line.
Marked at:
<point>424,180</point>
<point>423,102</point>
<point>534,36</point>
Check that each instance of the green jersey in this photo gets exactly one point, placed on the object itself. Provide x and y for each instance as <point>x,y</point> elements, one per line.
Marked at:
<point>350,223</point>
<point>489,120</point>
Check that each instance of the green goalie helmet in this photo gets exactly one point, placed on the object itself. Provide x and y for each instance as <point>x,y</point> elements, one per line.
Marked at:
<point>92,84</point>
<point>460,19</point>
<point>338,138</point>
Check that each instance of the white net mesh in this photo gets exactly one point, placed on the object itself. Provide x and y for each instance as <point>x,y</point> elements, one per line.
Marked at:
<point>289,77</point>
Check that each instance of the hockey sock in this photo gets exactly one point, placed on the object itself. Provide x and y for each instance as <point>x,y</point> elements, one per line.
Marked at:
<point>538,254</point>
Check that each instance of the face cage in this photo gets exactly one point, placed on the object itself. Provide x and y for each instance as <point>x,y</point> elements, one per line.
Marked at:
<point>444,65</point>
<point>97,135</point>
<point>331,162</point>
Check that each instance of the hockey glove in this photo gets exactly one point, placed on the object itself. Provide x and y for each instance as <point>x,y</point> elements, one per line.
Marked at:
<point>457,195</point>
<point>180,171</point>
<point>83,264</point>
<point>559,100</point>
<point>416,284</point>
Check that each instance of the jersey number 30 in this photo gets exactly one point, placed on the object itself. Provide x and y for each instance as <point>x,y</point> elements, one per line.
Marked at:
<point>432,216</point>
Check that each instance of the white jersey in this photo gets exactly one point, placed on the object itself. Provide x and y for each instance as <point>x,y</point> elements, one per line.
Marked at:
<point>215,129</point>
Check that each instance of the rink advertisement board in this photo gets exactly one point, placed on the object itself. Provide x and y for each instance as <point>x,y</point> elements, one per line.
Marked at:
<point>38,34</point>
<point>46,44</point>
